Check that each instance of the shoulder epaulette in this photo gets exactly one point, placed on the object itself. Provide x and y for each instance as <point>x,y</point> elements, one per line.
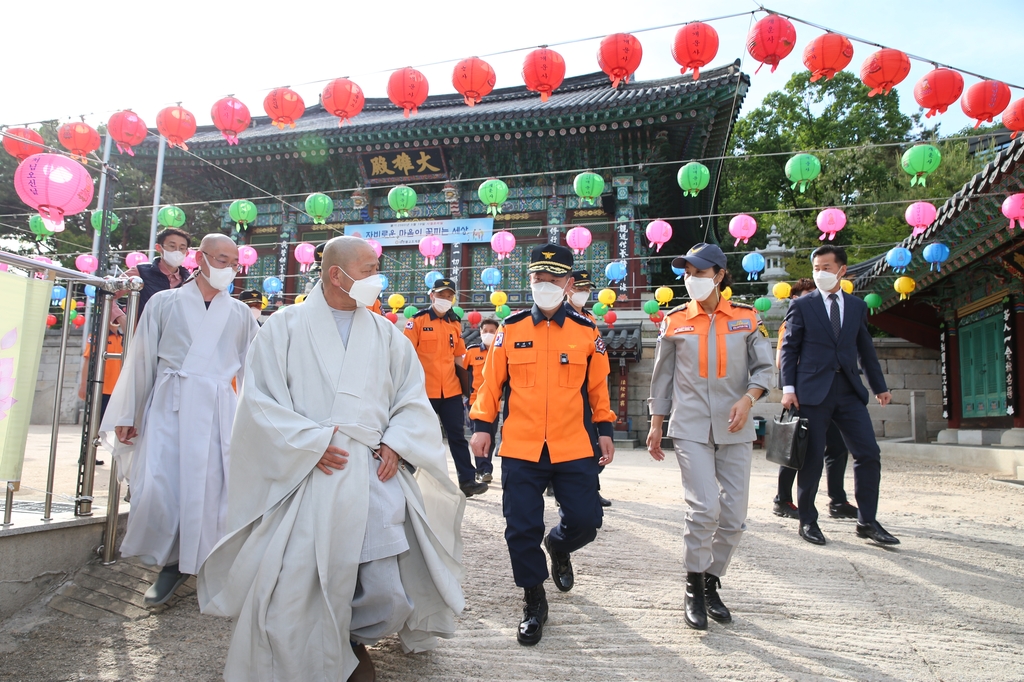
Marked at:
<point>677,309</point>
<point>581,319</point>
<point>741,305</point>
<point>425,311</point>
<point>474,345</point>
<point>518,316</point>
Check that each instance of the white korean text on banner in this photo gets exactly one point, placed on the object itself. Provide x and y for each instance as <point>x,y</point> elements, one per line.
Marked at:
<point>411,232</point>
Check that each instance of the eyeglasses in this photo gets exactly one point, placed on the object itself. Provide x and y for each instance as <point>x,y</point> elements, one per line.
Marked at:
<point>221,261</point>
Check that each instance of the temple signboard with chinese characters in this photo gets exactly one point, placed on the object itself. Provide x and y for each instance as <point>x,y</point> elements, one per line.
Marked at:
<point>400,165</point>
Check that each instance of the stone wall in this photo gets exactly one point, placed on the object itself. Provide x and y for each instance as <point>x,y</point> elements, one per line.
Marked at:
<point>42,404</point>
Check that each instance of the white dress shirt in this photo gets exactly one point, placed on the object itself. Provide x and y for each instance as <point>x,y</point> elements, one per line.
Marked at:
<point>828,313</point>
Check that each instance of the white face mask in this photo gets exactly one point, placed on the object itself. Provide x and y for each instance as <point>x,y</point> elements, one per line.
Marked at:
<point>219,278</point>
<point>699,288</point>
<point>442,306</point>
<point>580,298</point>
<point>487,339</point>
<point>824,280</point>
<point>364,291</point>
<point>546,295</point>
<point>256,312</point>
<point>173,258</point>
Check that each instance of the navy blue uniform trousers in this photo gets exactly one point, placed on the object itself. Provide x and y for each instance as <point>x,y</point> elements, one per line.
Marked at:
<point>836,457</point>
<point>523,484</point>
<point>453,420</point>
<point>843,407</point>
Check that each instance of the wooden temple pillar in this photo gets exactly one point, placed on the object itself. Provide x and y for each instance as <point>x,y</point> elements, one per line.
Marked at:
<point>952,403</point>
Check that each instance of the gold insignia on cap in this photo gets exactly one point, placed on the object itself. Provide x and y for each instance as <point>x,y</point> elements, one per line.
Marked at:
<point>548,254</point>
<point>695,249</point>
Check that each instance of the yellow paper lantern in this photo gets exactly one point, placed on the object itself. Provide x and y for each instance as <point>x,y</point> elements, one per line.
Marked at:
<point>396,301</point>
<point>847,286</point>
<point>606,296</point>
<point>300,298</point>
<point>663,295</point>
<point>903,286</point>
<point>264,303</point>
<point>782,291</point>
<point>727,293</point>
<point>499,298</point>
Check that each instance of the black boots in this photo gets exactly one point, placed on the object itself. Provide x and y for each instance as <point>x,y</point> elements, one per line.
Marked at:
<point>561,567</point>
<point>716,609</point>
<point>696,614</point>
<point>535,614</point>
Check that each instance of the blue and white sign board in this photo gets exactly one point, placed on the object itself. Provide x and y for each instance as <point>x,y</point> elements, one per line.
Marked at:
<point>410,232</point>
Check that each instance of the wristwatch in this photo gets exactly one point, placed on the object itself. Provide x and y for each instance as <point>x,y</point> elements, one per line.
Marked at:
<point>751,398</point>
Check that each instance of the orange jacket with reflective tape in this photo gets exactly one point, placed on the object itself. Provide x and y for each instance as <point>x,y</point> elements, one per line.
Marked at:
<point>553,375</point>
<point>438,343</point>
<point>476,356</point>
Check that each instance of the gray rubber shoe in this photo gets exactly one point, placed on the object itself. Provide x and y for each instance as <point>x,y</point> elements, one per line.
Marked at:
<point>169,580</point>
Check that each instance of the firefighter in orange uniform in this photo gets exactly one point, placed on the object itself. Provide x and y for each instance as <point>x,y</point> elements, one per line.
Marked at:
<point>436,334</point>
<point>551,366</point>
<point>476,356</point>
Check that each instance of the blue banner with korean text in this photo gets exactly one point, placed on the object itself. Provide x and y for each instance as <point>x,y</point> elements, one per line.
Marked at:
<point>410,232</point>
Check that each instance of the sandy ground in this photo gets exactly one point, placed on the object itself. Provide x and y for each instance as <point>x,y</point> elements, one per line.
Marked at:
<point>947,605</point>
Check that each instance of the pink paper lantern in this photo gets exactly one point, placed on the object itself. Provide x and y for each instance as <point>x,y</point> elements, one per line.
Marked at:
<point>742,227</point>
<point>42,259</point>
<point>55,186</point>
<point>430,248</point>
<point>830,221</point>
<point>919,216</point>
<point>190,261</point>
<point>503,242</point>
<point>1013,208</point>
<point>134,258</point>
<point>87,263</point>
<point>579,239</point>
<point>3,267</point>
<point>658,233</point>
<point>377,248</point>
<point>247,256</point>
<point>305,253</point>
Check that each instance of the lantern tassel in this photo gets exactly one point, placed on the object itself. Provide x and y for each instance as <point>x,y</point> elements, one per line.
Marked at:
<point>696,73</point>
<point>125,149</point>
<point>544,95</point>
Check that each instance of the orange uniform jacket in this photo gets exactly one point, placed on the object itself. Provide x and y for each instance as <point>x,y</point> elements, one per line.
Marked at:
<point>438,343</point>
<point>553,375</point>
<point>377,308</point>
<point>111,368</point>
<point>476,356</point>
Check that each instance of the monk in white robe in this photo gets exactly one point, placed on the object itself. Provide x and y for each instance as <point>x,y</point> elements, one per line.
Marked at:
<point>171,412</point>
<point>344,526</point>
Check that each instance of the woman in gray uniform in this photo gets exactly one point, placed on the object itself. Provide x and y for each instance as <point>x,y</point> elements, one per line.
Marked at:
<point>712,363</point>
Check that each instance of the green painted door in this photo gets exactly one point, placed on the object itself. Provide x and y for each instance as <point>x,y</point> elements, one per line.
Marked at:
<point>983,372</point>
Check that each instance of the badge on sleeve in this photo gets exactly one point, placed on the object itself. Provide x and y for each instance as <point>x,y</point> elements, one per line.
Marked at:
<point>761,328</point>
<point>739,325</point>
<point>499,339</point>
<point>409,324</point>
<point>599,345</point>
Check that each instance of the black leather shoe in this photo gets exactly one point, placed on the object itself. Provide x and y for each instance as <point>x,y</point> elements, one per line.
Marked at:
<point>786,510</point>
<point>695,611</point>
<point>561,567</point>
<point>169,580</point>
<point>364,672</point>
<point>873,531</point>
<point>716,609</point>
<point>535,614</point>
<point>811,533</point>
<point>604,501</point>
<point>473,488</point>
<point>842,510</point>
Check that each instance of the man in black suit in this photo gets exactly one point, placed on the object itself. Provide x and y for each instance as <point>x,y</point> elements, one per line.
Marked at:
<point>826,333</point>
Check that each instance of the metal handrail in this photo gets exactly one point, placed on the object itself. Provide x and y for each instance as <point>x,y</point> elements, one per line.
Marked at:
<point>58,271</point>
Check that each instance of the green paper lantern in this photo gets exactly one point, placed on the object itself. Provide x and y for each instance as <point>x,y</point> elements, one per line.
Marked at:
<point>319,207</point>
<point>801,169</point>
<point>38,227</point>
<point>493,194</point>
<point>873,301</point>
<point>588,187</point>
<point>73,314</point>
<point>410,311</point>
<point>599,309</point>
<point>402,199</point>
<point>502,311</point>
<point>459,311</point>
<point>243,212</point>
<point>651,307</point>
<point>763,304</point>
<point>692,178</point>
<point>170,216</point>
<point>96,220</point>
<point>919,161</point>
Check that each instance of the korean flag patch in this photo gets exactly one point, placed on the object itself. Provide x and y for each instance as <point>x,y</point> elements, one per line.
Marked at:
<point>599,346</point>
<point>499,339</point>
<point>410,324</point>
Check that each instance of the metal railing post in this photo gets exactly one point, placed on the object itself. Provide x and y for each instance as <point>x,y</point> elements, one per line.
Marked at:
<point>83,505</point>
<point>8,504</point>
<point>69,301</point>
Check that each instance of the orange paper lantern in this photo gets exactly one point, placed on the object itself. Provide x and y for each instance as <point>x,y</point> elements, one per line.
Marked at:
<point>827,55</point>
<point>619,56</point>
<point>543,72</point>
<point>230,116</point>
<point>474,79</point>
<point>284,106</point>
<point>343,98</point>
<point>1013,117</point>
<point>407,90</point>
<point>22,143</point>
<point>696,44</point>
<point>771,40</point>
<point>985,100</point>
<point>883,70</point>
<point>127,129</point>
<point>79,138</point>
<point>937,89</point>
<point>177,125</point>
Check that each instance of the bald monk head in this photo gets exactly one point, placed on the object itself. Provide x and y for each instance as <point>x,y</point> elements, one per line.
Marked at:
<point>347,260</point>
<point>218,264</point>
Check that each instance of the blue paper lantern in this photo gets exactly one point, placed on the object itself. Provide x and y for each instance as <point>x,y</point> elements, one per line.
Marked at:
<point>679,272</point>
<point>272,285</point>
<point>231,288</point>
<point>753,263</point>
<point>90,291</point>
<point>615,271</point>
<point>491,278</point>
<point>384,282</point>
<point>898,259</point>
<point>936,254</point>
<point>58,293</point>
<point>432,277</point>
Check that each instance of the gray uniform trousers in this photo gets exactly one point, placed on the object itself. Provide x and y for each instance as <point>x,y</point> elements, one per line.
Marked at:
<point>716,486</point>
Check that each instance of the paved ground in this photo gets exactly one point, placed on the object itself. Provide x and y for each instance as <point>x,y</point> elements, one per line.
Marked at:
<point>947,605</point>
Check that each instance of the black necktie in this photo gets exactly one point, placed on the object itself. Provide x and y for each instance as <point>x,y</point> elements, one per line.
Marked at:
<point>833,314</point>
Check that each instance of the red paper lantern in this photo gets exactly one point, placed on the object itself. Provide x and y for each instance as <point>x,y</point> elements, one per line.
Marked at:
<point>474,79</point>
<point>473,317</point>
<point>230,116</point>
<point>696,44</point>
<point>284,107</point>
<point>827,55</point>
<point>127,129</point>
<point>619,56</point>
<point>51,320</point>
<point>22,143</point>
<point>543,71</point>
<point>771,40</point>
<point>985,100</point>
<point>610,317</point>
<point>177,124</point>
<point>937,89</point>
<point>1013,117</point>
<point>407,90</point>
<point>343,98</point>
<point>391,317</point>
<point>79,321</point>
<point>883,70</point>
<point>79,138</point>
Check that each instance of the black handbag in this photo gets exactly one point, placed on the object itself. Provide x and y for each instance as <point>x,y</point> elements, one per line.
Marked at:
<point>786,440</point>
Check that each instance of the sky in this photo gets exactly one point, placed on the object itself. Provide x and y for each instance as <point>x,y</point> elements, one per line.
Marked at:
<point>148,55</point>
